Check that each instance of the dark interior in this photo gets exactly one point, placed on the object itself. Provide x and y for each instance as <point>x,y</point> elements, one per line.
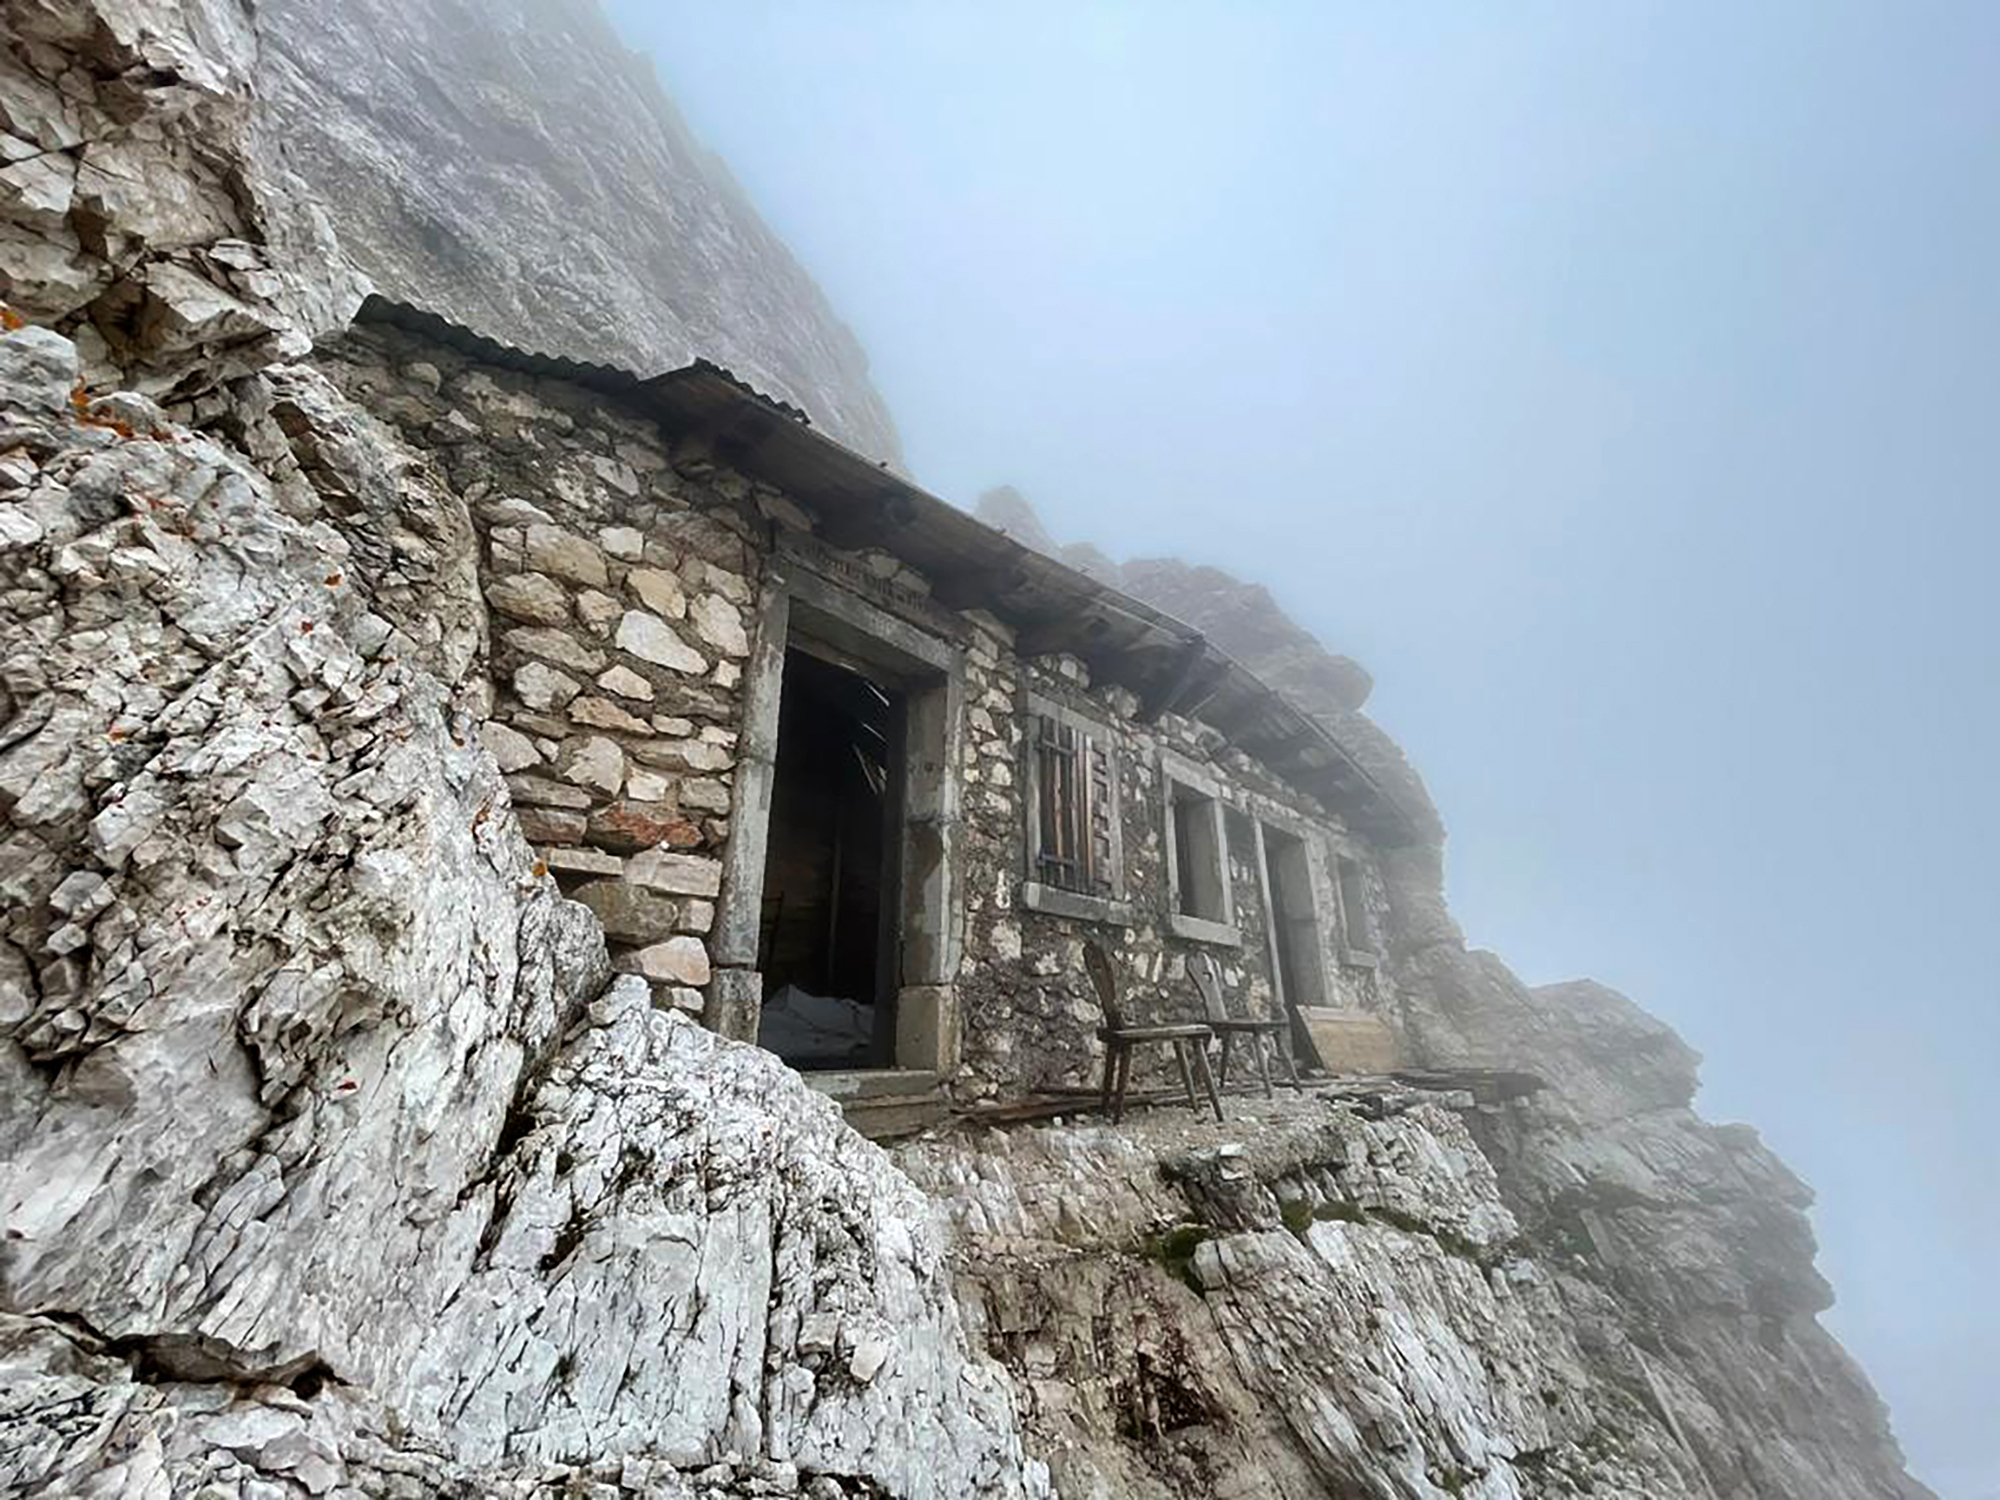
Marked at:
<point>828,935</point>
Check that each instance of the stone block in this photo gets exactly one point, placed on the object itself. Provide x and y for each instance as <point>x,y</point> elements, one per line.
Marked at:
<point>529,597</point>
<point>602,713</point>
<point>678,960</point>
<point>593,761</point>
<point>720,623</point>
<point>563,554</point>
<point>512,749</point>
<point>683,755</point>
<point>541,686</point>
<point>631,827</point>
<point>582,861</point>
<point>598,611</point>
<point>705,795</point>
<point>735,1003</point>
<point>551,825</point>
<point>679,874</point>
<point>558,646</point>
<point>659,591</point>
<point>626,683</point>
<point>628,914</point>
<point>650,638</point>
<point>540,791</point>
<point>622,542</point>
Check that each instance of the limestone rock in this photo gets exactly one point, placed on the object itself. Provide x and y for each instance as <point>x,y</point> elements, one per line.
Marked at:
<point>679,960</point>
<point>659,591</point>
<point>650,638</point>
<point>564,555</point>
<point>594,762</point>
<point>529,597</point>
<point>719,623</point>
<point>332,1160</point>
<point>678,874</point>
<point>601,229</point>
<point>543,687</point>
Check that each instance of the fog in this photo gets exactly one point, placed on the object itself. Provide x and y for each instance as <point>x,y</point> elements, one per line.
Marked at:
<point>1620,384</point>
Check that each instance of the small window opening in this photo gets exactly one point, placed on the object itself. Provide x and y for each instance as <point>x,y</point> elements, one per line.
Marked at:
<point>1359,924</point>
<point>1201,865</point>
<point>1077,805</point>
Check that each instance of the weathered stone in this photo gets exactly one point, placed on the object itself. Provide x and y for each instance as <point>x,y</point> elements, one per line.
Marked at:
<point>549,825</point>
<point>683,755</point>
<point>565,555</point>
<point>704,794</point>
<point>622,542</point>
<point>558,646</point>
<point>631,826</point>
<point>678,960</point>
<point>626,683</point>
<point>593,761</point>
<point>629,914</point>
<point>650,638</point>
<point>678,874</point>
<point>514,751</point>
<point>540,791</point>
<point>599,612</point>
<point>529,597</point>
<point>543,687</point>
<point>659,591</point>
<point>720,623</point>
<point>642,785</point>
<point>584,861</point>
<point>601,713</point>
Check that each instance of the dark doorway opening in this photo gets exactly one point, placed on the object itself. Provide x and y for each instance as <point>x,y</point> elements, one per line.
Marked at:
<point>1295,934</point>
<point>827,945</point>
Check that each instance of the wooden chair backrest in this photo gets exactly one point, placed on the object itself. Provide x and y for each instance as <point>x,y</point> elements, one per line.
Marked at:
<point>1207,976</point>
<point>1097,963</point>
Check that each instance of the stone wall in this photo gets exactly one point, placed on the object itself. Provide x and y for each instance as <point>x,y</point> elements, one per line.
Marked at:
<point>620,565</point>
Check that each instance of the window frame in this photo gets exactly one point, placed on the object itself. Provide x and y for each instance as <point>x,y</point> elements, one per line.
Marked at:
<point>1223,931</point>
<point>1110,905</point>
<point>1366,953</point>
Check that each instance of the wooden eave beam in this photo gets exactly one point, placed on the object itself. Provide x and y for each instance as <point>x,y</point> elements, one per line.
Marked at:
<point>1174,686</point>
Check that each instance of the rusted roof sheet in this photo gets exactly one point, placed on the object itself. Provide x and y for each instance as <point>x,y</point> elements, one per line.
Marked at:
<point>862,502</point>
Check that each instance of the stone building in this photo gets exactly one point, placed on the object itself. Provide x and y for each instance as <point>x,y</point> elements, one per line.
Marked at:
<point>847,772</point>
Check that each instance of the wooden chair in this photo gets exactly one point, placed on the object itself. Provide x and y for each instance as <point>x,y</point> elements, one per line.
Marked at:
<point>1266,1033</point>
<point>1119,1039</point>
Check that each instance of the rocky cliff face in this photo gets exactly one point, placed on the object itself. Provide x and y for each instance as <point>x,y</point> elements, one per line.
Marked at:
<point>334,1160</point>
<point>508,164</point>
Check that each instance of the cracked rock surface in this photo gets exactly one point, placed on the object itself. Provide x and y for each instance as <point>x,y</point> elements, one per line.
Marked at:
<point>331,1154</point>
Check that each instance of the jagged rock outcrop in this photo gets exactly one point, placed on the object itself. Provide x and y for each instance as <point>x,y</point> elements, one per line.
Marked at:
<point>143,208</point>
<point>510,165</point>
<point>1406,1295</point>
<point>336,1160</point>
<point>313,1083</point>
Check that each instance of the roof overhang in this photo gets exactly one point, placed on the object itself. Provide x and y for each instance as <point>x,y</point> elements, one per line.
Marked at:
<point>1052,607</point>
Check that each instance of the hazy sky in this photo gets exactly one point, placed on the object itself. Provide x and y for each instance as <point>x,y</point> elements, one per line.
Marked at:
<point>1620,383</point>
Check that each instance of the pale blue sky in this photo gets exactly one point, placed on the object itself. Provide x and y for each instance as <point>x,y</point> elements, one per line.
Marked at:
<point>1619,382</point>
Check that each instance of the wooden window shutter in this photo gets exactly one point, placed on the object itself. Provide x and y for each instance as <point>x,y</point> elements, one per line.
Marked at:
<point>1102,808</point>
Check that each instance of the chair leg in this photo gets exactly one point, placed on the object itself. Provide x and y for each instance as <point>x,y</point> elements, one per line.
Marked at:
<point>1208,1080</point>
<point>1110,1076</point>
<point>1187,1078</point>
<point>1222,1070</point>
<point>1265,1043</point>
<point>1124,1066</point>
<point>1289,1056</point>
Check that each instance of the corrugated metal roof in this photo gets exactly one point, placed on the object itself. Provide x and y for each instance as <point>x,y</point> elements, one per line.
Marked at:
<point>861,501</point>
